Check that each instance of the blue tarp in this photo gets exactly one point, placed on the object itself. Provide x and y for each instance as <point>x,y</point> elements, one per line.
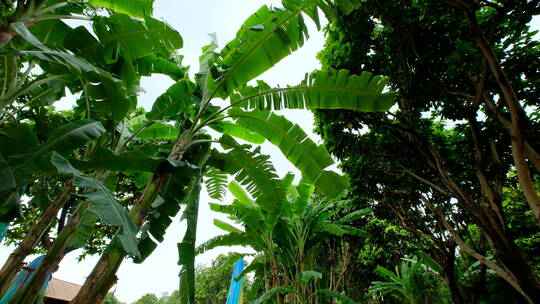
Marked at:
<point>235,290</point>
<point>22,278</point>
<point>3,229</point>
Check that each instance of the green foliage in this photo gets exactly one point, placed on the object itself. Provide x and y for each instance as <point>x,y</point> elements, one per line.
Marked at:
<point>288,237</point>
<point>264,39</point>
<point>111,299</point>
<point>216,183</point>
<point>148,298</point>
<point>212,281</point>
<point>321,90</point>
<point>402,161</point>
<point>299,149</point>
<point>102,203</point>
<point>138,8</point>
<point>410,282</point>
<point>250,168</point>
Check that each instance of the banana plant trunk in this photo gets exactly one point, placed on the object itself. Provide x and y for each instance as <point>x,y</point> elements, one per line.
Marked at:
<point>187,253</point>
<point>101,279</point>
<point>30,292</point>
<point>16,258</point>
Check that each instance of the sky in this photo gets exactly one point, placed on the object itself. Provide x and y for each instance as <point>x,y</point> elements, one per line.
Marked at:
<point>195,20</point>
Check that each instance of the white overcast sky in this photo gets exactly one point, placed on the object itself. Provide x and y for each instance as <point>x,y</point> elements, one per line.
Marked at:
<point>195,20</point>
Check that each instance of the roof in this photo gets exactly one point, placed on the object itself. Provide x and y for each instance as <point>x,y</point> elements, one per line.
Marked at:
<point>61,290</point>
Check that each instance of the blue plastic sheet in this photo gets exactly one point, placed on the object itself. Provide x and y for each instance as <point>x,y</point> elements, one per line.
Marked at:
<point>3,229</point>
<point>235,290</point>
<point>22,278</point>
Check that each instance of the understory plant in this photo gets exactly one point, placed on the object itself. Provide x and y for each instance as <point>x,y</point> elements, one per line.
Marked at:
<point>289,234</point>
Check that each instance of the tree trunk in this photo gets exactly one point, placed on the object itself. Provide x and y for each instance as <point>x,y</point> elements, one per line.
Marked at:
<point>508,254</point>
<point>456,290</point>
<point>50,263</point>
<point>100,280</point>
<point>516,114</point>
<point>187,270</point>
<point>103,274</point>
<point>15,260</point>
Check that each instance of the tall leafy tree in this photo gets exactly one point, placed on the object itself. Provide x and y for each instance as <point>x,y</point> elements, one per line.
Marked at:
<point>461,121</point>
<point>108,87</point>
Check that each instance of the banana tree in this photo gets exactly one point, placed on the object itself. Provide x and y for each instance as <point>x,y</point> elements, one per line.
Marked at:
<point>107,74</point>
<point>410,282</point>
<point>258,46</point>
<point>288,235</point>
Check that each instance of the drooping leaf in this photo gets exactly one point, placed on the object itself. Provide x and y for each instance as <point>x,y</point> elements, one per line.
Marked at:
<point>133,38</point>
<point>63,165</point>
<point>179,189</point>
<point>174,101</point>
<point>216,183</point>
<point>108,99</point>
<point>186,249</point>
<point>45,53</point>
<point>296,146</point>
<point>64,140</point>
<point>110,212</point>
<point>305,190</point>
<point>308,275</point>
<point>158,65</point>
<point>102,203</point>
<point>166,39</point>
<point>272,293</point>
<point>84,229</point>
<point>228,128</point>
<point>17,138</point>
<point>252,170</point>
<point>226,226</point>
<point>120,36</point>
<point>321,90</point>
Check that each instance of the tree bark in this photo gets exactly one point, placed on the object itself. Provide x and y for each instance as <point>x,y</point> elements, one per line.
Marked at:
<point>508,254</point>
<point>103,274</point>
<point>101,278</point>
<point>532,154</point>
<point>456,290</point>
<point>30,292</point>
<point>516,114</point>
<point>15,260</point>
